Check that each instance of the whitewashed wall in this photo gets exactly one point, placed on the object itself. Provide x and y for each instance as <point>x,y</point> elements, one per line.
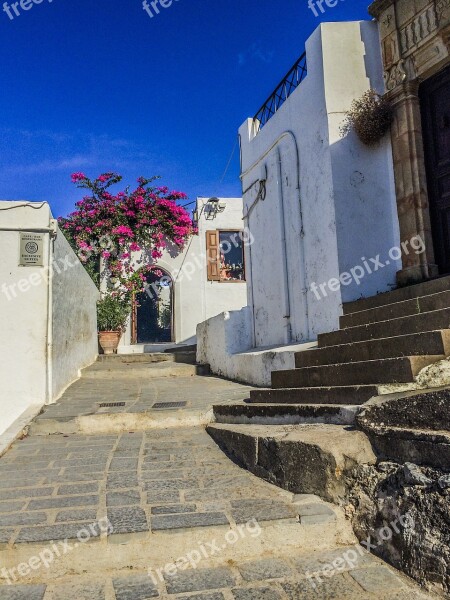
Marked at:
<point>41,350</point>
<point>220,296</point>
<point>23,325</point>
<point>74,316</point>
<point>224,342</point>
<point>195,298</point>
<point>330,200</point>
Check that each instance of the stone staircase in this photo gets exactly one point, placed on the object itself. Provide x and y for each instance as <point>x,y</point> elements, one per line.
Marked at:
<point>177,363</point>
<point>382,346</point>
<point>303,433</point>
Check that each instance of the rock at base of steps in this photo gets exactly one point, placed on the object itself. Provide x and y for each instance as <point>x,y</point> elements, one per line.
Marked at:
<point>403,510</point>
<point>303,459</point>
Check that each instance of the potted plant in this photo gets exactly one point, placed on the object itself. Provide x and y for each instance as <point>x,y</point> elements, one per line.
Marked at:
<point>370,117</point>
<point>112,314</point>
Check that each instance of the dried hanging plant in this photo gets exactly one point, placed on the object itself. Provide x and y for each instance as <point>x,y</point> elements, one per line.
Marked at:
<point>370,116</point>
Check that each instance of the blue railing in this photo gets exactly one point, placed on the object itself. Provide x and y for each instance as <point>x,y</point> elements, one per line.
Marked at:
<point>282,92</point>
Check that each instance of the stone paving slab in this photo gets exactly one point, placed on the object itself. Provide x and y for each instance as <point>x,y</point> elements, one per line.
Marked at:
<point>269,568</point>
<point>134,588</point>
<point>188,520</point>
<point>330,589</point>
<point>79,515</point>
<point>23,592</point>
<point>200,579</point>
<point>259,593</point>
<point>174,509</point>
<point>90,591</point>
<point>376,579</point>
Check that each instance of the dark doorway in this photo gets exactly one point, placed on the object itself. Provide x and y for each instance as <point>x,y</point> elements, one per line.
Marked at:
<point>435,102</point>
<point>153,313</point>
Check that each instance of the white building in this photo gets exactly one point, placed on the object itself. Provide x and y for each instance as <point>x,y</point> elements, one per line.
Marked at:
<point>48,323</point>
<point>205,279</point>
<point>317,205</point>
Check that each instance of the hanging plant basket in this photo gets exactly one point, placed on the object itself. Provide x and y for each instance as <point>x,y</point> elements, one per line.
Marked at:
<point>370,117</point>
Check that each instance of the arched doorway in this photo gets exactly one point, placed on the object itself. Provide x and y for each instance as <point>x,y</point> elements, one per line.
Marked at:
<point>153,311</point>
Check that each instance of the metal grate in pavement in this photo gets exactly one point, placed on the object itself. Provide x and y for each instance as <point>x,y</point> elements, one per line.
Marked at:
<point>167,405</point>
<point>111,404</point>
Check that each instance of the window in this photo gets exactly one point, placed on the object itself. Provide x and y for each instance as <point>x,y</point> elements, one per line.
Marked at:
<point>225,255</point>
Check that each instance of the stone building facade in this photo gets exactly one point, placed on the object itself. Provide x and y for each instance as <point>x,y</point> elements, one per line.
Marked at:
<point>415,40</point>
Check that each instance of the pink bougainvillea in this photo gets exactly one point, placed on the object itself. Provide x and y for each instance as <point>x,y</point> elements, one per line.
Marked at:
<point>112,226</point>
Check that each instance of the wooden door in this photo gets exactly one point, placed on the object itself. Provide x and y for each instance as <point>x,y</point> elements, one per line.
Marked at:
<point>435,102</point>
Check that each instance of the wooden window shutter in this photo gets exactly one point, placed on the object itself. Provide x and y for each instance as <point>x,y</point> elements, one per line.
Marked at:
<point>212,255</point>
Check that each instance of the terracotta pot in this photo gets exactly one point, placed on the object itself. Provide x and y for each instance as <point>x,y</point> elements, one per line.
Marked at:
<point>109,341</point>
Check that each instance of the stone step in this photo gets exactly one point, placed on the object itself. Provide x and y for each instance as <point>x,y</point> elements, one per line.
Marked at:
<point>420,409</point>
<point>118,370</point>
<point>430,321</point>
<point>386,371</point>
<point>285,414</point>
<point>181,356</point>
<point>150,357</point>
<point>416,344</point>
<point>399,309</point>
<point>303,459</point>
<point>410,427</point>
<point>427,288</point>
<point>349,395</point>
<point>407,445</point>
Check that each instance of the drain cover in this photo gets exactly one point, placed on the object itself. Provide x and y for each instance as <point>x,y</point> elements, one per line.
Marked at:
<point>167,405</point>
<point>111,404</point>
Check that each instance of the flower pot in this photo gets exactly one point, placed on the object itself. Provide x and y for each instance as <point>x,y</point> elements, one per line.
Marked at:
<point>109,341</point>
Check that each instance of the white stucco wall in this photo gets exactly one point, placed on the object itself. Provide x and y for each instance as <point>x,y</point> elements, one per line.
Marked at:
<point>74,316</point>
<point>220,296</point>
<point>224,342</point>
<point>335,196</point>
<point>195,298</point>
<point>23,331</point>
<point>329,202</point>
<point>31,371</point>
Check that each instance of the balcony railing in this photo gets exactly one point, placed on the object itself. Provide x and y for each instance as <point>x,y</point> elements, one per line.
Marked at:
<point>279,96</point>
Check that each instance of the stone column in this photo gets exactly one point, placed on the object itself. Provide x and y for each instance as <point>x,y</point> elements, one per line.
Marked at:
<point>411,182</point>
<point>412,51</point>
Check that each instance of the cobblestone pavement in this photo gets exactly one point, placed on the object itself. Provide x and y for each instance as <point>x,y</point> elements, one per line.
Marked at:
<point>141,393</point>
<point>51,486</point>
<point>129,516</point>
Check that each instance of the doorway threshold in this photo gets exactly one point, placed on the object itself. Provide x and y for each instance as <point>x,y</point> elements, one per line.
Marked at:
<point>149,348</point>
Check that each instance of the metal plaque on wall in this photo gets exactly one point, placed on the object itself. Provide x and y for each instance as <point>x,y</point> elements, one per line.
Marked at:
<point>31,249</point>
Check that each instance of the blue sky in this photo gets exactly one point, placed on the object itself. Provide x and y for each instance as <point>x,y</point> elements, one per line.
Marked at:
<point>98,85</point>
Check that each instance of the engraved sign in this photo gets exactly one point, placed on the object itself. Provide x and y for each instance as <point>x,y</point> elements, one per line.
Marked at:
<point>31,249</point>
